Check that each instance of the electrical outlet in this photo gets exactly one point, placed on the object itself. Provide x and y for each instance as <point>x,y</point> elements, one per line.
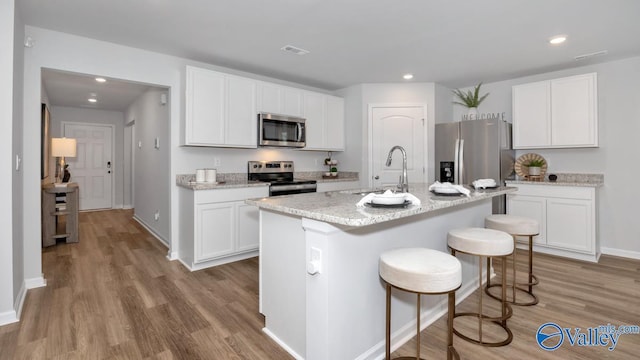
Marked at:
<point>156,216</point>
<point>216,161</point>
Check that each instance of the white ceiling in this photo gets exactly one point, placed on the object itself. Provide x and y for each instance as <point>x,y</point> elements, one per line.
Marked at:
<point>452,42</point>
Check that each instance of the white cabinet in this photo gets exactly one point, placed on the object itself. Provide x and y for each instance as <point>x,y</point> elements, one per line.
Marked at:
<point>558,113</point>
<point>220,109</point>
<point>217,227</point>
<point>278,99</point>
<point>325,122</point>
<point>567,217</point>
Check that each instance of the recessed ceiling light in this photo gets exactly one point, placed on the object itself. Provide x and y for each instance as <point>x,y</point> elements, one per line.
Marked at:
<point>407,76</point>
<point>92,100</point>
<point>558,39</point>
<point>101,79</point>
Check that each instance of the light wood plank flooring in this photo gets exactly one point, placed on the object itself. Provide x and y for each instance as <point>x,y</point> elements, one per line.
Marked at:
<point>114,295</point>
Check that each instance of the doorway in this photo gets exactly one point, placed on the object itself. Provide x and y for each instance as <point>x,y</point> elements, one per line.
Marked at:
<point>397,124</point>
<point>92,168</point>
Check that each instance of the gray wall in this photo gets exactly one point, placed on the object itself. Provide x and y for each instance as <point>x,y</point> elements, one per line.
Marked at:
<point>152,170</point>
<point>619,127</point>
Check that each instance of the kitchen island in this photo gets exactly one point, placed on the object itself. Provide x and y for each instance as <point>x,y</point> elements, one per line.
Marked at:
<point>320,291</point>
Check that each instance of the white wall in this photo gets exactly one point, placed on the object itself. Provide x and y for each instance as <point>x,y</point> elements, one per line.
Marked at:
<point>7,311</point>
<point>61,114</point>
<point>367,94</point>
<point>619,126</point>
<point>17,197</point>
<point>151,169</point>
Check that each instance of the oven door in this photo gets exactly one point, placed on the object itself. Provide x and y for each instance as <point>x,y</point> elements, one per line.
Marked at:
<point>282,131</point>
<point>276,190</point>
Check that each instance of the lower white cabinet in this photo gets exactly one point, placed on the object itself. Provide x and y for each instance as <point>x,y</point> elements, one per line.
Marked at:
<point>217,227</point>
<point>567,217</point>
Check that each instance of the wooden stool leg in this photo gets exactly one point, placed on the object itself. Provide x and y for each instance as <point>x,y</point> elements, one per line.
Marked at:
<point>418,328</point>
<point>480,301</point>
<point>388,330</point>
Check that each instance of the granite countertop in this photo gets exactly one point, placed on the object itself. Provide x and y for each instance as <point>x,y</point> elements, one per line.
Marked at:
<point>225,181</point>
<point>239,180</point>
<point>339,207</point>
<point>580,180</point>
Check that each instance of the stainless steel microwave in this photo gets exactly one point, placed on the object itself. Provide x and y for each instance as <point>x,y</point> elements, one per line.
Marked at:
<point>281,131</point>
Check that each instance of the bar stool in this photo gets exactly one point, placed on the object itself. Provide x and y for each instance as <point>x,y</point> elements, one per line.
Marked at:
<point>516,226</point>
<point>489,243</point>
<point>421,271</point>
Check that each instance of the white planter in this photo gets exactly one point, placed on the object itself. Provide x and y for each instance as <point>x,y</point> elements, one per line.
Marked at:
<point>534,170</point>
<point>473,113</point>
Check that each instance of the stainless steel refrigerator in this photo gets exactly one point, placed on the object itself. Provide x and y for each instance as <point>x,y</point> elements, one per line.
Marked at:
<point>477,149</point>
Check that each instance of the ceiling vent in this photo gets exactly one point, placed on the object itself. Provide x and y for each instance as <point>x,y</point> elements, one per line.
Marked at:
<point>295,50</point>
<point>586,56</point>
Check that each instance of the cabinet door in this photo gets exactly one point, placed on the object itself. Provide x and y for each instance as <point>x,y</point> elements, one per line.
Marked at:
<point>532,207</point>
<point>315,112</point>
<point>269,98</point>
<point>291,101</point>
<point>215,231</point>
<point>569,224</point>
<point>531,115</point>
<point>204,107</point>
<point>248,227</point>
<point>241,119</point>
<point>574,111</point>
<point>335,123</point>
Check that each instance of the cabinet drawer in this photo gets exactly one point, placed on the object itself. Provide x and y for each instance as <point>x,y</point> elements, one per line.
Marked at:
<point>233,194</point>
<point>556,191</point>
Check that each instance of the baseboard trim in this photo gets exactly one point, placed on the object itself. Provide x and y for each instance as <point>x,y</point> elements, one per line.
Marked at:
<point>155,235</point>
<point>282,344</point>
<point>8,317</point>
<point>621,253</point>
<point>22,294</point>
<point>35,282</point>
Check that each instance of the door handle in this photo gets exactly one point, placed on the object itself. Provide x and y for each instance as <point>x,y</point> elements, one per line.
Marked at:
<point>376,177</point>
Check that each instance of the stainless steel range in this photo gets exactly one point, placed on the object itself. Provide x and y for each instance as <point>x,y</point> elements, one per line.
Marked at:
<point>280,175</point>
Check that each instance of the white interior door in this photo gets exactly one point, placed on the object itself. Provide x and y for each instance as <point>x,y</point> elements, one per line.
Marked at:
<point>402,126</point>
<point>92,168</point>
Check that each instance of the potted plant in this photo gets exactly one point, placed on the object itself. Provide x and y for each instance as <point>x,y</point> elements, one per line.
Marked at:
<point>534,166</point>
<point>470,99</point>
<point>334,171</point>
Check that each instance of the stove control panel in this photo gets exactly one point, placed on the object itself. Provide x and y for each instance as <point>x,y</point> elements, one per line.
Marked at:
<point>269,166</point>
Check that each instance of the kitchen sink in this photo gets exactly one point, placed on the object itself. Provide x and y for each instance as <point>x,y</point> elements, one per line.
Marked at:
<point>363,192</point>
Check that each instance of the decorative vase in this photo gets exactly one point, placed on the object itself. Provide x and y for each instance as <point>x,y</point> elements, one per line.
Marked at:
<point>534,170</point>
<point>473,113</point>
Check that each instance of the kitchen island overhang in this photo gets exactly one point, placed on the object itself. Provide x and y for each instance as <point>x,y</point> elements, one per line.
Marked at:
<point>319,286</point>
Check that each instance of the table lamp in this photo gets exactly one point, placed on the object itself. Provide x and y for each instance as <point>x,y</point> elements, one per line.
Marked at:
<point>61,147</point>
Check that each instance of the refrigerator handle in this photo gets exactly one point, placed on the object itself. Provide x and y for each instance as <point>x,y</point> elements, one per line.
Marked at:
<point>456,165</point>
<point>461,162</point>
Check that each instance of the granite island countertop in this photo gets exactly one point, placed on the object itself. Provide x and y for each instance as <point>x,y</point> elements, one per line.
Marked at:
<point>579,180</point>
<point>339,207</point>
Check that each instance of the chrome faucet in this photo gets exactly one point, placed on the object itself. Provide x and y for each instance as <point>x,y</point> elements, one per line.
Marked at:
<point>403,184</point>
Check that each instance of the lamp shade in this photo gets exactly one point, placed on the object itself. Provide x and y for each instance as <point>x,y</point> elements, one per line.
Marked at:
<point>63,147</point>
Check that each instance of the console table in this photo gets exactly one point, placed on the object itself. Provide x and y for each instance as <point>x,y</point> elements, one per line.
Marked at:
<point>59,201</point>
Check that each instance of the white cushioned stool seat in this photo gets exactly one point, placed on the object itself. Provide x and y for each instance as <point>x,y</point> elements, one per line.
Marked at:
<point>480,241</point>
<point>421,270</point>
<point>514,225</point>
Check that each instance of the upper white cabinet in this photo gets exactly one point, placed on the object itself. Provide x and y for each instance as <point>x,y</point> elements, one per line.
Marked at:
<point>278,99</point>
<point>325,122</point>
<point>558,113</point>
<point>220,109</point>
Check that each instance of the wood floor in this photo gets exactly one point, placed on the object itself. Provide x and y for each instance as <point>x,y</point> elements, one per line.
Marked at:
<point>114,295</point>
